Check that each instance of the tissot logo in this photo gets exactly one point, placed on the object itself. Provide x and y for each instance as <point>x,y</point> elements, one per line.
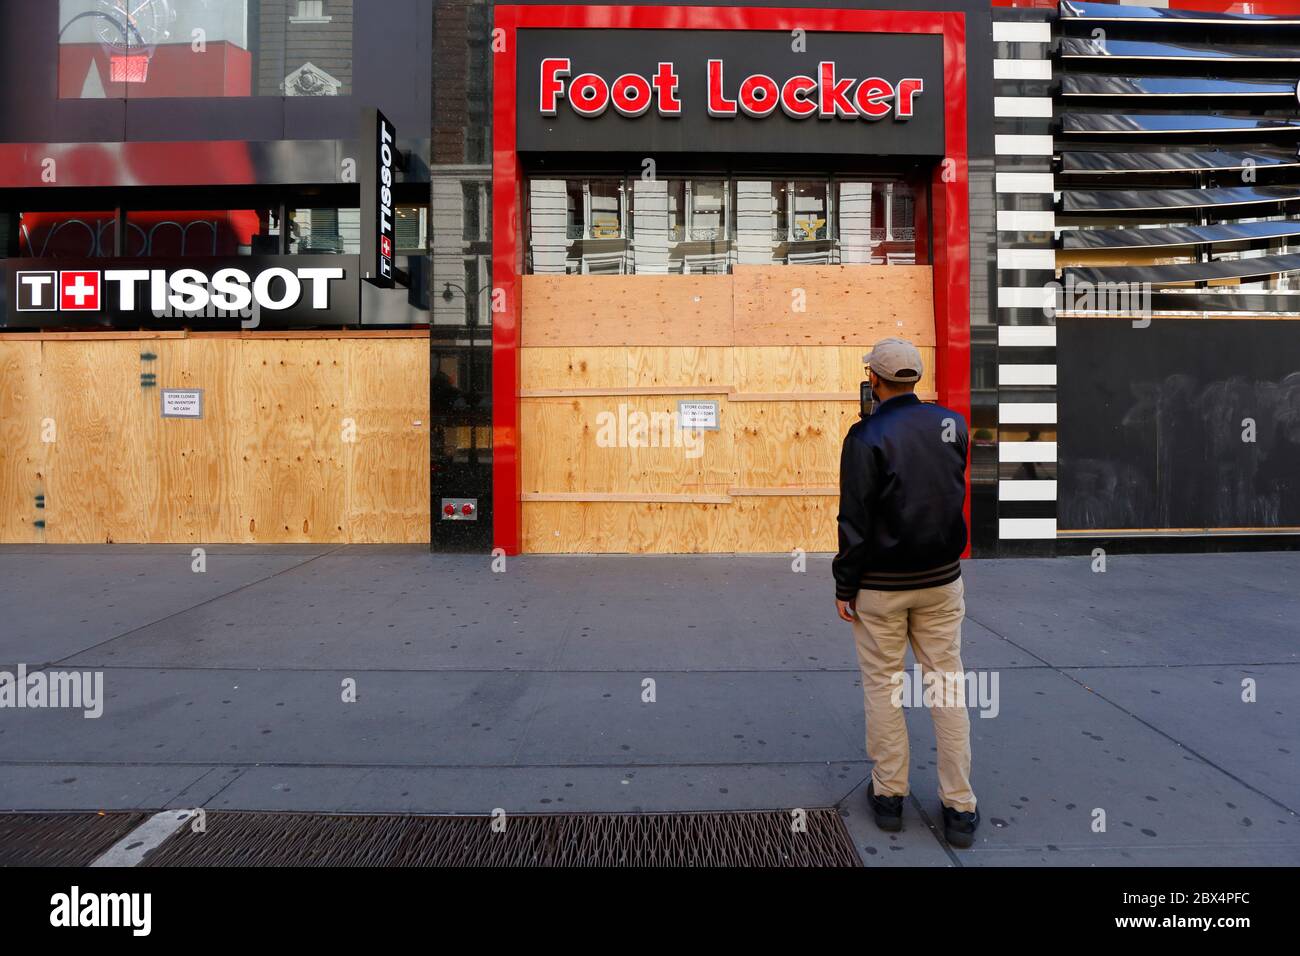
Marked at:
<point>187,291</point>
<point>826,95</point>
<point>379,166</point>
<point>385,199</point>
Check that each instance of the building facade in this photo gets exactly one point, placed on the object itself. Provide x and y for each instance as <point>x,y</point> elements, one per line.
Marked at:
<point>639,252</point>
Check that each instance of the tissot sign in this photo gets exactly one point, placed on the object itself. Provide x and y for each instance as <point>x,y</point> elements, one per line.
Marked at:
<point>716,91</point>
<point>378,169</point>
<point>319,290</point>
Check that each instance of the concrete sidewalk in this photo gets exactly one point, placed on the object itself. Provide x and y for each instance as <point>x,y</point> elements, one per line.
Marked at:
<point>523,690</point>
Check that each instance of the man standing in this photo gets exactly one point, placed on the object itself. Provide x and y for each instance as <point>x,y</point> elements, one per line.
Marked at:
<point>898,578</point>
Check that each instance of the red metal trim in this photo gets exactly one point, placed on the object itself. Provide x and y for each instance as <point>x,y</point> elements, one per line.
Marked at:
<point>507,500</point>
<point>950,196</point>
<point>949,199</point>
<point>1273,8</point>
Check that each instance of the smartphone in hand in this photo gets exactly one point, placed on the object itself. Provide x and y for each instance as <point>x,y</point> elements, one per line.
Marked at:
<point>866,400</point>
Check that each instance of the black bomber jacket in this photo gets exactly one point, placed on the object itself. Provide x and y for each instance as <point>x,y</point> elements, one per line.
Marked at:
<point>902,494</point>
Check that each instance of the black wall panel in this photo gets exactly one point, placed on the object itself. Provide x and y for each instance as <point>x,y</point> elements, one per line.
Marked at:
<point>1151,431</point>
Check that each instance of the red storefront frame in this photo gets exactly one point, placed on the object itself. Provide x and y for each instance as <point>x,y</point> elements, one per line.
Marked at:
<point>949,200</point>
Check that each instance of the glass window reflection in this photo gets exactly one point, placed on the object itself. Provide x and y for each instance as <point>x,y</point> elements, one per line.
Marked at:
<point>205,48</point>
<point>705,225</point>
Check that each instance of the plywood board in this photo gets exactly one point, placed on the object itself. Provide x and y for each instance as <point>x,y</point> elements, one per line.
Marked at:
<point>750,525</point>
<point>841,305</point>
<point>784,444</point>
<point>781,524</point>
<point>103,478</point>
<point>569,310</point>
<point>293,486</point>
<point>620,444</point>
<point>387,401</point>
<point>786,382</point>
<point>573,367</point>
<point>196,496</point>
<point>678,366</point>
<point>626,528</point>
<point>269,461</point>
<point>22,451</point>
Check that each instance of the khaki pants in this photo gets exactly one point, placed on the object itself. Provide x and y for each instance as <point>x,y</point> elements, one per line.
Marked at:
<point>930,619</point>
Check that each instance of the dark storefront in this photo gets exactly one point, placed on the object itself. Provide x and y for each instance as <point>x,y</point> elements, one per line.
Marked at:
<point>637,252</point>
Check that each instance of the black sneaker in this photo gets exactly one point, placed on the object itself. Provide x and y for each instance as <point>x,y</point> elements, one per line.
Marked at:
<point>959,828</point>
<point>888,810</point>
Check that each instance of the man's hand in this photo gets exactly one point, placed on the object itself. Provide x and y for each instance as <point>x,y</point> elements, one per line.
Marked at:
<point>846,610</point>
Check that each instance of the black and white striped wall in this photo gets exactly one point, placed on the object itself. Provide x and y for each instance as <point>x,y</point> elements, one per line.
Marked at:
<point>1025,270</point>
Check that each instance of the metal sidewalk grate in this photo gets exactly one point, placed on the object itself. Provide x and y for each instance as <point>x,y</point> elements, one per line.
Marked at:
<point>763,838</point>
<point>61,839</point>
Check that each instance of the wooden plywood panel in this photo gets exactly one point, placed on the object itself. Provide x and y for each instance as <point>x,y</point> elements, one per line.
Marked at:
<point>290,397</point>
<point>796,368</point>
<point>102,481</point>
<point>556,442</point>
<point>22,452</point>
<point>195,459</point>
<point>387,466</point>
<point>789,443</point>
<point>787,383</point>
<point>810,369</point>
<point>571,310</point>
<point>576,367</point>
<point>619,444</point>
<point>784,523</point>
<point>844,305</point>
<point>266,462</point>
<point>626,527</point>
<point>675,366</point>
<point>675,459</point>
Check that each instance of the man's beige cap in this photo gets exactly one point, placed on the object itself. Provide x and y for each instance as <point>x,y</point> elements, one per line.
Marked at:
<point>896,360</point>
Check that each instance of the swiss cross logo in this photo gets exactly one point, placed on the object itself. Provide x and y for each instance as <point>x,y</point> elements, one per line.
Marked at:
<point>79,291</point>
<point>385,247</point>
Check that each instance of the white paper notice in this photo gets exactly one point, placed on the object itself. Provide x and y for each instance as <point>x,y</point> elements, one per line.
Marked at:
<point>697,415</point>
<point>182,403</point>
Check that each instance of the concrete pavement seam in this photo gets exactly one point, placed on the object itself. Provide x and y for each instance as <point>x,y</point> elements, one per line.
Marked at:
<point>1170,737</point>
<point>168,617</point>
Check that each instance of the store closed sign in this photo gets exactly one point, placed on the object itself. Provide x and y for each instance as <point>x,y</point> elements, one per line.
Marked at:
<point>699,416</point>
<point>182,403</point>
<point>716,91</point>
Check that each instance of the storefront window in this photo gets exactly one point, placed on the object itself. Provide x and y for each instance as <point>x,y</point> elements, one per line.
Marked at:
<point>853,207</point>
<point>68,235</point>
<point>324,231</point>
<point>165,48</point>
<point>892,235</point>
<point>606,210</point>
<point>809,212</point>
<point>411,228</point>
<point>575,207</point>
<point>706,210</point>
<point>679,225</point>
<point>580,226</point>
<point>176,234</point>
